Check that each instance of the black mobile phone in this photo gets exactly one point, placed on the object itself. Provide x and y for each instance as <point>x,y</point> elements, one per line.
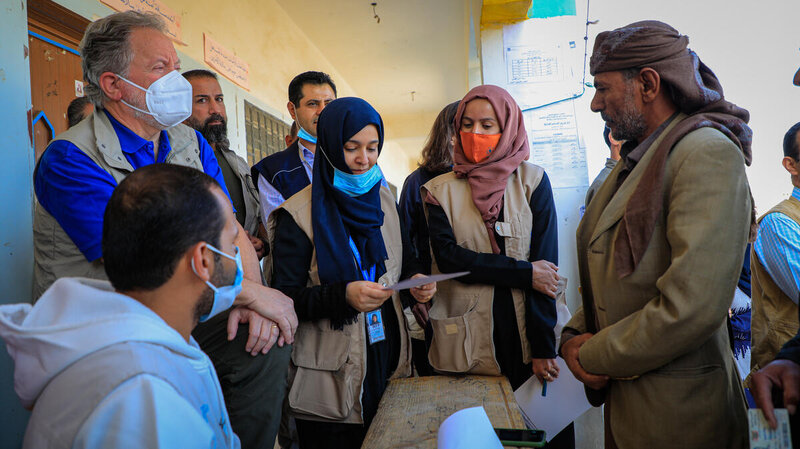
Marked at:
<point>521,437</point>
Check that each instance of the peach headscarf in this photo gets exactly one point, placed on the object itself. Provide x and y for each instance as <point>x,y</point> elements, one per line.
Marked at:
<point>488,178</point>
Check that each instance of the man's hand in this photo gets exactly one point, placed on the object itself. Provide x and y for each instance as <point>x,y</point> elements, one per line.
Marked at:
<point>570,352</point>
<point>783,374</point>
<point>546,370</point>
<point>271,304</point>
<point>420,311</point>
<point>423,293</point>
<point>545,277</point>
<point>258,245</point>
<point>263,332</point>
<point>366,296</point>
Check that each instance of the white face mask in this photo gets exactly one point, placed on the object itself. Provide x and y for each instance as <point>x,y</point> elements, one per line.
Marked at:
<point>169,98</point>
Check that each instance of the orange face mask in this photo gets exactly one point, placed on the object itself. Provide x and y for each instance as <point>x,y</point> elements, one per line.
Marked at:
<point>478,147</point>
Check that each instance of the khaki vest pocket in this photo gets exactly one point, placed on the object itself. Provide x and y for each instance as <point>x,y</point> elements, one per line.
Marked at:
<point>320,385</point>
<point>459,345</point>
<point>320,349</point>
<point>451,346</point>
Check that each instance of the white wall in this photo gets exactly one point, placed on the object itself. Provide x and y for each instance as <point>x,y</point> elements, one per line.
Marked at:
<point>568,199</point>
<point>752,47</point>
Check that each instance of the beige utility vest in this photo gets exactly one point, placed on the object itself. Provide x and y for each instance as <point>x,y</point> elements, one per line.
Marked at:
<point>55,255</point>
<point>461,315</point>
<point>328,367</point>
<point>774,317</point>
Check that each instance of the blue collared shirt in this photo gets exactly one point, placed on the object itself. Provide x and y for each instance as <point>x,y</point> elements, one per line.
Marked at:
<point>75,190</point>
<point>778,249</point>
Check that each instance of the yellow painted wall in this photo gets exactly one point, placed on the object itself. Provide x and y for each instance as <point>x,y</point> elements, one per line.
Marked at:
<point>276,48</point>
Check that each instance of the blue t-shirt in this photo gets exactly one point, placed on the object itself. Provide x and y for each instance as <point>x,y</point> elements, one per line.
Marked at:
<point>75,190</point>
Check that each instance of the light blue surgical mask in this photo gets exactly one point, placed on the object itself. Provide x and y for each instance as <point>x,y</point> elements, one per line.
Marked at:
<point>305,135</point>
<point>224,296</point>
<point>357,185</point>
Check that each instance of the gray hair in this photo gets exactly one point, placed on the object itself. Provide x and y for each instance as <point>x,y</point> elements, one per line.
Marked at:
<point>105,47</point>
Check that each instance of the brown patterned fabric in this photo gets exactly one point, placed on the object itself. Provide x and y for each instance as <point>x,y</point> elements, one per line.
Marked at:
<point>694,89</point>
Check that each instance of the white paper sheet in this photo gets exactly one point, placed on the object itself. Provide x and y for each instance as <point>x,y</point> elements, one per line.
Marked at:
<point>468,429</point>
<point>416,282</point>
<point>564,402</point>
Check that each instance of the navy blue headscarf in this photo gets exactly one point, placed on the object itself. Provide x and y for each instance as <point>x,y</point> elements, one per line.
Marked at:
<point>335,214</point>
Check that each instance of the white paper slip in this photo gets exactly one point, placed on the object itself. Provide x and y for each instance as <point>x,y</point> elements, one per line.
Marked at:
<point>565,400</point>
<point>469,428</point>
<point>764,437</point>
<point>416,282</point>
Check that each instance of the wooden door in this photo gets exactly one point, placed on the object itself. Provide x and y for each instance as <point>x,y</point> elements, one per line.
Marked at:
<point>54,34</point>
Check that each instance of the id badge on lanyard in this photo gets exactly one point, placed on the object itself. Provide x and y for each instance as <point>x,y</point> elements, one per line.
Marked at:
<point>375,329</point>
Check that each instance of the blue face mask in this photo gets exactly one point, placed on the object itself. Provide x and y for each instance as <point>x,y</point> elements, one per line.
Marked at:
<point>357,185</point>
<point>303,134</point>
<point>224,296</point>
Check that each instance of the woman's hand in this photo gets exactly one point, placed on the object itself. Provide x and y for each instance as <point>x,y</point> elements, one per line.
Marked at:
<point>546,370</point>
<point>545,277</point>
<point>366,296</point>
<point>423,293</point>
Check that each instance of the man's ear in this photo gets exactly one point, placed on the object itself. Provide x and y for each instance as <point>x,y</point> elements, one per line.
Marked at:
<point>111,85</point>
<point>651,84</point>
<point>790,165</point>
<point>201,259</point>
<point>292,112</point>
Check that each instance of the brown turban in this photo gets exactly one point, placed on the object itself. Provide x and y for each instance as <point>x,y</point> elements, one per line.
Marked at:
<point>639,44</point>
<point>694,90</point>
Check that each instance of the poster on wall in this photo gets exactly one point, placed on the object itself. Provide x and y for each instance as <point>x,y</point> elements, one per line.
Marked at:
<point>556,144</point>
<point>544,69</point>
<point>225,62</point>
<point>544,63</point>
<point>171,19</point>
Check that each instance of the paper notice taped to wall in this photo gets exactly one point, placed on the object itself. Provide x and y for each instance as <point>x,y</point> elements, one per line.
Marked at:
<point>225,62</point>
<point>171,19</point>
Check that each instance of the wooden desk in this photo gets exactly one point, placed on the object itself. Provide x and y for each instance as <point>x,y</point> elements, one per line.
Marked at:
<point>412,409</point>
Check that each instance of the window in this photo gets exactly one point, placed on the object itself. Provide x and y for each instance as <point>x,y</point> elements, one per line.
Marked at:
<point>264,133</point>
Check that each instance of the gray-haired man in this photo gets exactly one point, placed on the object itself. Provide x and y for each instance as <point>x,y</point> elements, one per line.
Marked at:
<point>131,71</point>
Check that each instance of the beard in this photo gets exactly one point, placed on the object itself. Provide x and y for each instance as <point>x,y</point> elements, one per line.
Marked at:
<point>138,99</point>
<point>219,279</point>
<point>212,133</point>
<point>629,122</point>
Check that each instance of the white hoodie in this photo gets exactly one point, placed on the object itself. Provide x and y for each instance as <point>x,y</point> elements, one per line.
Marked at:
<point>101,370</point>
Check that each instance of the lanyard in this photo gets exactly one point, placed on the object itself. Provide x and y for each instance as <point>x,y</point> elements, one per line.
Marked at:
<point>367,276</point>
<point>374,321</point>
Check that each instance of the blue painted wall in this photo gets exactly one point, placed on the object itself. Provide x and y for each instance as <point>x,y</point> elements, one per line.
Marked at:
<point>16,198</point>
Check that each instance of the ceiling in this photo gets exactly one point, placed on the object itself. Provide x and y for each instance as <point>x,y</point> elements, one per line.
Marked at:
<point>419,46</point>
